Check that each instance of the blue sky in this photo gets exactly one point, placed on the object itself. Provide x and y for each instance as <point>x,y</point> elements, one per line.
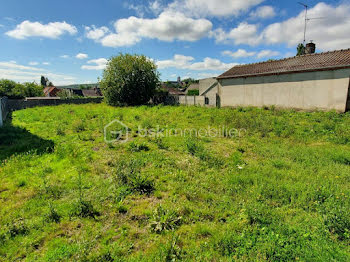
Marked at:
<point>70,41</point>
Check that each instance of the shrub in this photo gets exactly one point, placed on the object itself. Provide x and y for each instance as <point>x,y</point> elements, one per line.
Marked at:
<point>164,219</point>
<point>135,147</point>
<point>18,227</point>
<point>193,146</point>
<point>193,93</point>
<point>53,215</point>
<point>129,174</point>
<point>84,209</point>
<point>129,80</point>
<point>14,90</point>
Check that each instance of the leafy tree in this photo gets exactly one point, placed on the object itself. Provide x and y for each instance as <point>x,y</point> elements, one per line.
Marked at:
<point>300,50</point>
<point>14,90</point>
<point>32,90</point>
<point>129,80</point>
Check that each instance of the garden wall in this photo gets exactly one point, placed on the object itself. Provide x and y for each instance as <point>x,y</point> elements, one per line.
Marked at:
<point>17,104</point>
<point>4,109</point>
<point>191,100</point>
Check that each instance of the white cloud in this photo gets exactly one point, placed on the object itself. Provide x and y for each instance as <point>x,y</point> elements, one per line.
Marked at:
<point>242,53</point>
<point>33,63</point>
<point>239,53</point>
<point>187,62</point>
<point>268,53</point>
<point>121,39</point>
<point>35,29</point>
<point>169,26</point>
<point>156,7</point>
<point>263,12</point>
<point>206,75</point>
<point>219,8</point>
<point>64,56</point>
<point>330,33</point>
<point>21,73</point>
<point>81,56</point>
<point>95,33</point>
<point>244,33</point>
<point>96,64</point>
<point>46,63</point>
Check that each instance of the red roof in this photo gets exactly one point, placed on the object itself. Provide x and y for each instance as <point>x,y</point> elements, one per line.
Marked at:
<point>51,91</point>
<point>305,63</point>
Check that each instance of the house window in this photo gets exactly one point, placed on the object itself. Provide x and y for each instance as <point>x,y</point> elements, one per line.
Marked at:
<point>206,100</point>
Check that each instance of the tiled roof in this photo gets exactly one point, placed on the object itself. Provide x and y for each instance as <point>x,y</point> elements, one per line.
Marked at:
<point>173,90</point>
<point>305,63</point>
<point>91,92</point>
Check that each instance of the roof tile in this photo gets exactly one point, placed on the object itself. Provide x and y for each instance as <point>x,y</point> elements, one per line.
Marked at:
<point>310,62</point>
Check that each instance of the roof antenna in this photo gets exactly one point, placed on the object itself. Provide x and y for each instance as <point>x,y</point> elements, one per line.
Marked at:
<point>306,19</point>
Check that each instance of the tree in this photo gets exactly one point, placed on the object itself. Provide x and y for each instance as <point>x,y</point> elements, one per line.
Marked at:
<point>300,50</point>
<point>129,80</point>
<point>14,90</point>
<point>32,90</point>
<point>43,81</point>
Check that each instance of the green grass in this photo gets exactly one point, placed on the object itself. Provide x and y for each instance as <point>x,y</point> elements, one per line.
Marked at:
<point>278,192</point>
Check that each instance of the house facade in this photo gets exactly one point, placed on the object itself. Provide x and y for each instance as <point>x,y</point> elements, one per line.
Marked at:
<point>308,82</point>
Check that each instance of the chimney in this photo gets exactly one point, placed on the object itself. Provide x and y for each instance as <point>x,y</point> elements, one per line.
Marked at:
<point>310,48</point>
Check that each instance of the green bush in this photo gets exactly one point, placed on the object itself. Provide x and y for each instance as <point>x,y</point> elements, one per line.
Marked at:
<point>193,93</point>
<point>14,90</point>
<point>129,80</point>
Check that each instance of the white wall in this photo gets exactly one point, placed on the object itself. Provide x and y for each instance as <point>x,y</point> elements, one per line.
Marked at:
<point>211,95</point>
<point>191,100</point>
<point>321,90</point>
<point>204,84</point>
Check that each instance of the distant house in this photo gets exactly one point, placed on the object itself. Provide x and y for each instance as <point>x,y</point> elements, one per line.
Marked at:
<point>75,91</point>
<point>316,81</point>
<point>172,90</point>
<point>95,92</point>
<point>51,91</point>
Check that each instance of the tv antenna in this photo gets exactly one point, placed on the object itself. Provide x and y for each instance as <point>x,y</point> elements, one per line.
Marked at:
<point>306,19</point>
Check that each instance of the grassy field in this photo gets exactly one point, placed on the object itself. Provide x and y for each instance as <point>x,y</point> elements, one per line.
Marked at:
<point>279,191</point>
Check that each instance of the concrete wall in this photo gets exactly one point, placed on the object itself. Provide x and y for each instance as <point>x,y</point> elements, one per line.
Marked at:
<point>321,90</point>
<point>17,104</point>
<point>4,110</point>
<point>211,96</point>
<point>204,84</point>
<point>191,100</point>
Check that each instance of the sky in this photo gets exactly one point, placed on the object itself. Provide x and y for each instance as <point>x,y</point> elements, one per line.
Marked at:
<point>71,41</point>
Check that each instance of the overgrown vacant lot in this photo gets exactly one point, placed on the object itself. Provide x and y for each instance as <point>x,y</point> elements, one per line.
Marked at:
<point>280,191</point>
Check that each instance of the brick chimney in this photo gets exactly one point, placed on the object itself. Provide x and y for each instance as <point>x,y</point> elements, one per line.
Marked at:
<point>310,48</point>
